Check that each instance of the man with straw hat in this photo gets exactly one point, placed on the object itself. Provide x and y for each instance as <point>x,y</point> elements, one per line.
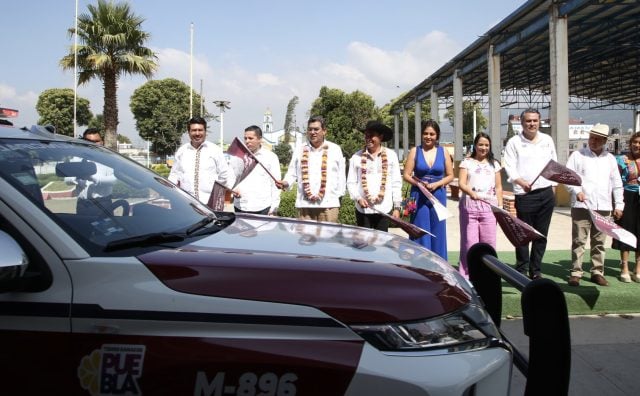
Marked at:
<point>600,180</point>
<point>374,181</point>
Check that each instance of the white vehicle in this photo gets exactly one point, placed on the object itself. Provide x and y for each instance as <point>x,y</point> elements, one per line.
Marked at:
<point>151,292</point>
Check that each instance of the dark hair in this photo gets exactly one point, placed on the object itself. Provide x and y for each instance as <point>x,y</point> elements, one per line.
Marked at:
<point>91,131</point>
<point>430,123</point>
<point>633,137</point>
<point>254,128</point>
<point>490,154</point>
<point>529,110</point>
<point>197,120</point>
<point>317,119</point>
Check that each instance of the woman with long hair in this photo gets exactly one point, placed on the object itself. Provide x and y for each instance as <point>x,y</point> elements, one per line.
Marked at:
<point>429,164</point>
<point>481,185</point>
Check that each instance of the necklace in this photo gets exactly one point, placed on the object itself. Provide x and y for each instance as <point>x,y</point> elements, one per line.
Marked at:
<point>363,177</point>
<point>304,165</point>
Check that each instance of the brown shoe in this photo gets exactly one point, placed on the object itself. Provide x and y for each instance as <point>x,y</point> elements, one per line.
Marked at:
<point>574,281</point>
<point>599,280</point>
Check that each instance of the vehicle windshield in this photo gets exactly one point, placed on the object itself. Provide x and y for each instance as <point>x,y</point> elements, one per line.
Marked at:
<point>101,198</point>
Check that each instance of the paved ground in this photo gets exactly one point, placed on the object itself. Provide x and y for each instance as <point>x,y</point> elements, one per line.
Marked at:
<point>605,349</point>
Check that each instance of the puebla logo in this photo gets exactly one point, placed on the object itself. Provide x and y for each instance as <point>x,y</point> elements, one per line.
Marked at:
<point>112,370</point>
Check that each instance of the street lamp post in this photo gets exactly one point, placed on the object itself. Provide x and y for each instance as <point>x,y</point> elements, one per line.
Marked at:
<point>222,104</point>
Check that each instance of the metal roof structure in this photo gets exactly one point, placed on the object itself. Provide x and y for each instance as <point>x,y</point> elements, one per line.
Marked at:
<point>604,57</point>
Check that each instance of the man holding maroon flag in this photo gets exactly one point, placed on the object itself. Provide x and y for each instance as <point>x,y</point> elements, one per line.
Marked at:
<point>257,192</point>
<point>600,179</point>
<point>526,154</point>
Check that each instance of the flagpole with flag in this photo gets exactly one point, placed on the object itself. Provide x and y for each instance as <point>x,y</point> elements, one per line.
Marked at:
<point>412,230</point>
<point>559,173</point>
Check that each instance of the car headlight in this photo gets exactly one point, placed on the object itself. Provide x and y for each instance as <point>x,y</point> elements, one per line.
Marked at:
<point>468,329</point>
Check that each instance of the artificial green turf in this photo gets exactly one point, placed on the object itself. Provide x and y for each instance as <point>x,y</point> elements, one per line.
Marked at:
<point>586,299</point>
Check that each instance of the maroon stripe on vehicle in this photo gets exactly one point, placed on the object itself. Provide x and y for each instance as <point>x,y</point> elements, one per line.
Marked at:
<point>348,290</point>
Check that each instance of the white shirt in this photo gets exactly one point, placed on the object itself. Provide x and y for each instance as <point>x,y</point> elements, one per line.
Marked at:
<point>213,167</point>
<point>258,190</point>
<point>336,178</point>
<point>525,159</point>
<point>393,189</point>
<point>600,177</point>
<point>481,178</point>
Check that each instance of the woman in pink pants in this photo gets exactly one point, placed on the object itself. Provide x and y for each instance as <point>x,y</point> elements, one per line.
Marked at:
<point>481,185</point>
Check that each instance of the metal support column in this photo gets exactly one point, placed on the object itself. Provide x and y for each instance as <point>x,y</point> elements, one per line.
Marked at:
<point>493,66</point>
<point>405,134</point>
<point>417,121</point>
<point>559,68</point>
<point>457,118</point>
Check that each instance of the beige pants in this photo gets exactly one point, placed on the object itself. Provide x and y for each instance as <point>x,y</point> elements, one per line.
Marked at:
<point>319,214</point>
<point>581,228</point>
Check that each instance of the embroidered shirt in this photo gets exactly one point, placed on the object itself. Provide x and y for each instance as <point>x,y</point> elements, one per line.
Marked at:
<point>336,178</point>
<point>198,180</point>
<point>481,178</point>
<point>393,189</point>
<point>600,177</point>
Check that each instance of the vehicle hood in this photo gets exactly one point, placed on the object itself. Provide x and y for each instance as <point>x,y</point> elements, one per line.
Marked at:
<point>354,274</point>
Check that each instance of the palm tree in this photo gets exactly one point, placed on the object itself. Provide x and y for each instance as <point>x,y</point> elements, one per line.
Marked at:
<point>111,44</point>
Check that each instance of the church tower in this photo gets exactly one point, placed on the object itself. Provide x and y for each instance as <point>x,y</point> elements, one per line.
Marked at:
<point>267,122</point>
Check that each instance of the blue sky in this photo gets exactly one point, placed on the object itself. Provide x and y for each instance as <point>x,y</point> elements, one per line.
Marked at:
<point>256,54</point>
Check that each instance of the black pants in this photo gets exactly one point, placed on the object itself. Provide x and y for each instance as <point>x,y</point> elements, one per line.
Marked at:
<point>375,221</point>
<point>534,208</point>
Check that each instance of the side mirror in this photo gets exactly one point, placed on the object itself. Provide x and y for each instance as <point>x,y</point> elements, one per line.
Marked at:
<point>13,262</point>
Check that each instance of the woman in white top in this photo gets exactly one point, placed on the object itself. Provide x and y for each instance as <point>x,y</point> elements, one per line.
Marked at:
<point>481,185</point>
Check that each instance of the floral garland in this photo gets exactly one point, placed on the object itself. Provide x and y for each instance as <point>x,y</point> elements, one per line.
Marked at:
<point>363,177</point>
<point>304,164</point>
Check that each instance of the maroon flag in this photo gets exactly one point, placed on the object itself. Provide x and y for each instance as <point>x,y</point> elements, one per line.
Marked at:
<point>242,160</point>
<point>412,230</point>
<point>517,231</point>
<point>216,199</point>
<point>560,173</point>
<point>607,226</point>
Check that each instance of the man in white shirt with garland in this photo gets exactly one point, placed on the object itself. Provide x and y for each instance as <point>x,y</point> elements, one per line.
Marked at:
<point>199,163</point>
<point>600,179</point>
<point>374,180</point>
<point>318,167</point>
<point>525,155</point>
<point>258,193</point>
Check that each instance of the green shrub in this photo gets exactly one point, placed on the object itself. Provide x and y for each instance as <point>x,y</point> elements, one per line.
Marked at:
<point>287,207</point>
<point>46,178</point>
<point>161,169</point>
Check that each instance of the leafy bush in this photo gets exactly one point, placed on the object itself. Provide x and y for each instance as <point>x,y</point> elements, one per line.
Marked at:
<point>161,169</point>
<point>46,178</point>
<point>288,207</point>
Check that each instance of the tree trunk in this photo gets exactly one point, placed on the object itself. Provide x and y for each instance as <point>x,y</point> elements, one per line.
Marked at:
<point>110,110</point>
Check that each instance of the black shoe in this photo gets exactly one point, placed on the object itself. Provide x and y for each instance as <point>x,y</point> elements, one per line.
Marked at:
<point>536,276</point>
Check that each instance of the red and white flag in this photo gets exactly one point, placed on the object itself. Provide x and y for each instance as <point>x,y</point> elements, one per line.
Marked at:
<point>560,174</point>
<point>517,231</point>
<point>609,227</point>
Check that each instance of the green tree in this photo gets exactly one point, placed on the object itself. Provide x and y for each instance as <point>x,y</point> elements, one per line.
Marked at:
<point>467,120</point>
<point>161,111</point>
<point>345,114</point>
<point>289,124</point>
<point>388,119</point>
<point>283,151</point>
<point>55,107</point>
<point>510,132</point>
<point>97,122</point>
<point>112,44</point>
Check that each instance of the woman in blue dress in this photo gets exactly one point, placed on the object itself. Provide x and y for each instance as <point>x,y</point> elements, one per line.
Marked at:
<point>433,166</point>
